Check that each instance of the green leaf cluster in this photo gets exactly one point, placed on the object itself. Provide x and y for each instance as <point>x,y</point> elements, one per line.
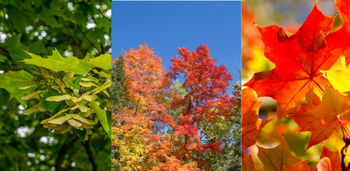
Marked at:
<point>71,89</point>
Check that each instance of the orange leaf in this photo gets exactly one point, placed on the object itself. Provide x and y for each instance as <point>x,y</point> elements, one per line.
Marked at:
<point>247,163</point>
<point>276,158</point>
<point>251,124</point>
<point>298,59</point>
<point>301,166</point>
<point>333,157</point>
<point>324,119</point>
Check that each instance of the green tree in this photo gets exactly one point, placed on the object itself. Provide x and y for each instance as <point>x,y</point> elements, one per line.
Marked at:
<point>119,100</point>
<point>40,26</point>
<point>118,82</point>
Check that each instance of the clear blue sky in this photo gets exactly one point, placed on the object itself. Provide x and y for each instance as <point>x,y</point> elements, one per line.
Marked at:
<point>165,26</point>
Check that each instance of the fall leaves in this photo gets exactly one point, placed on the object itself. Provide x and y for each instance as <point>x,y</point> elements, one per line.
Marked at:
<point>160,124</point>
<point>304,88</point>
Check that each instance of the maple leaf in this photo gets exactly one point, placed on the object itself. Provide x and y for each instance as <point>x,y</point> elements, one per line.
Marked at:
<point>247,163</point>
<point>13,81</point>
<point>251,124</point>
<point>340,78</point>
<point>324,119</point>
<point>298,59</point>
<point>329,159</point>
<point>338,41</point>
<point>301,166</point>
<point>334,109</point>
<point>278,157</point>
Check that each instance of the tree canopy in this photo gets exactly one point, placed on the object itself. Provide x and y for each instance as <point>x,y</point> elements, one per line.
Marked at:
<point>162,124</point>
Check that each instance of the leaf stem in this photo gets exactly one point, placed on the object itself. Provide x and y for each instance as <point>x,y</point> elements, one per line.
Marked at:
<point>63,83</point>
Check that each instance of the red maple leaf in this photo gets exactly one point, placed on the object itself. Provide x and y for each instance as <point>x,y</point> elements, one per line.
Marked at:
<point>298,59</point>
<point>329,160</point>
<point>338,41</point>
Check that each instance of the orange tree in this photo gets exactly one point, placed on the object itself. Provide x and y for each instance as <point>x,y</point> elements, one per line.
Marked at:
<point>162,128</point>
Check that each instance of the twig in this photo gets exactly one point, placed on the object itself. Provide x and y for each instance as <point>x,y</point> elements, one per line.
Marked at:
<point>85,36</point>
<point>4,49</point>
<point>88,39</point>
<point>103,14</point>
<point>71,34</point>
<point>63,83</point>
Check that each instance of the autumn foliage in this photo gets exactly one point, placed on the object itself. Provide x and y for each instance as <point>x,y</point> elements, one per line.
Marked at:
<point>159,127</point>
<point>304,88</point>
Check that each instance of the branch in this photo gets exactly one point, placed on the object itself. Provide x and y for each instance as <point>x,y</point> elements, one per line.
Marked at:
<point>90,154</point>
<point>71,34</point>
<point>4,49</point>
<point>85,36</point>
<point>88,39</point>
<point>63,151</point>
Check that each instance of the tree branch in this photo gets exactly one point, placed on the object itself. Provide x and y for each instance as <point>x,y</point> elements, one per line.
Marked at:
<point>64,149</point>
<point>88,38</point>
<point>99,51</point>
<point>90,154</point>
<point>4,49</point>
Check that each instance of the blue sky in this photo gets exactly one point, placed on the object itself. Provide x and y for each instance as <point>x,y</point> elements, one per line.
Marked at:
<point>165,26</point>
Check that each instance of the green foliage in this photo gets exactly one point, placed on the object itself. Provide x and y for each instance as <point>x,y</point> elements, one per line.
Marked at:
<point>119,96</point>
<point>227,131</point>
<point>118,83</point>
<point>72,99</point>
<point>40,27</point>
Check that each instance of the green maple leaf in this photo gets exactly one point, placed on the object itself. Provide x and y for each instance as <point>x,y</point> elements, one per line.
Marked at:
<point>56,62</point>
<point>12,81</point>
<point>102,61</point>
